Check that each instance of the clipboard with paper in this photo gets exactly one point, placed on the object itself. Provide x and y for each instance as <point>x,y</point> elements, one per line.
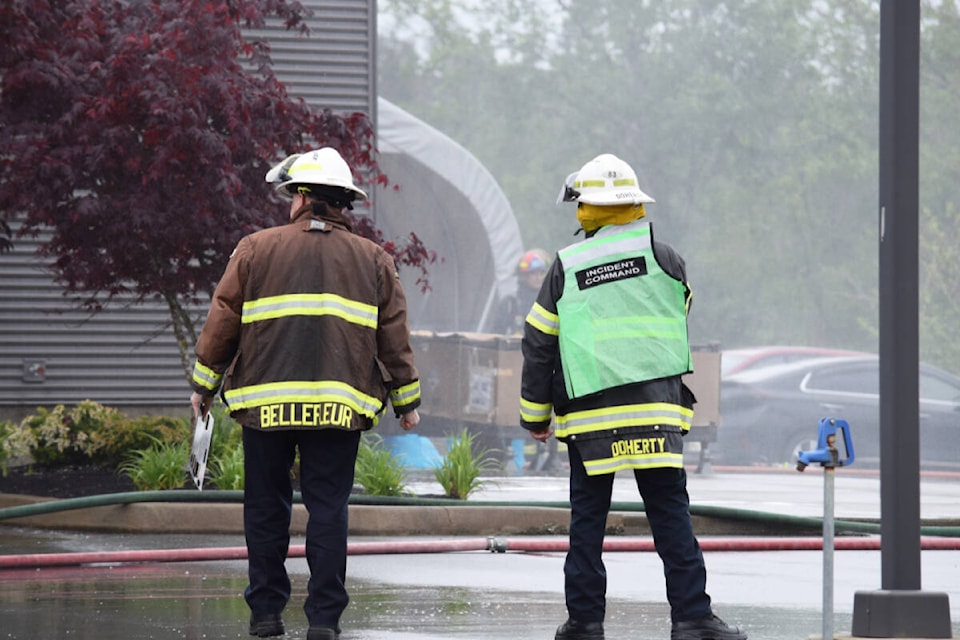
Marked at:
<point>202,432</point>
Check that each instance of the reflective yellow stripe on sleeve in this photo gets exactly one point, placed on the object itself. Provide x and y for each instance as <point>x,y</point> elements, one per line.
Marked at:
<point>206,377</point>
<point>405,395</point>
<point>543,320</point>
<point>535,411</point>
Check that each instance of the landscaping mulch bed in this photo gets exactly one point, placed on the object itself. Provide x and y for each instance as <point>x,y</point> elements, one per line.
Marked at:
<point>64,482</point>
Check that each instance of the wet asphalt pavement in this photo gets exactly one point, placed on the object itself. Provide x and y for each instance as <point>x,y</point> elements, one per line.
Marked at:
<point>774,594</point>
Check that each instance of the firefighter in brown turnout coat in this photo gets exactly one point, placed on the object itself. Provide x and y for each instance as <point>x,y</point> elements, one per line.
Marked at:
<point>307,339</point>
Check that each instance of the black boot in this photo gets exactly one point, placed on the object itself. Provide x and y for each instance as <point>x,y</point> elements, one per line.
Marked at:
<point>266,626</point>
<point>573,630</point>
<point>707,628</point>
<point>323,633</point>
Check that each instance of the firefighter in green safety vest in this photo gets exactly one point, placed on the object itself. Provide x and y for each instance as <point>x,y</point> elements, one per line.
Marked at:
<point>604,348</point>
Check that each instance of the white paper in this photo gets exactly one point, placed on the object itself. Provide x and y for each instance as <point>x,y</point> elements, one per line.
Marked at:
<point>201,448</point>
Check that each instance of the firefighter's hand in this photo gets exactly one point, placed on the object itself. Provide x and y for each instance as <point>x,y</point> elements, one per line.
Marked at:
<point>200,403</point>
<point>409,420</point>
<point>543,435</point>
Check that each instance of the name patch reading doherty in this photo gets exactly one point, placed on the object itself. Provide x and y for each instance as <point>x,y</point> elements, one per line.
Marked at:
<point>611,272</point>
<point>324,414</point>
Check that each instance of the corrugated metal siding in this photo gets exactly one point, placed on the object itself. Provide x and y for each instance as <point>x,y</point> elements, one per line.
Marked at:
<point>334,65</point>
<point>126,356</point>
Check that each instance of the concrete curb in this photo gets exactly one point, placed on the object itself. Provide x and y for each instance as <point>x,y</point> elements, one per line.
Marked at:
<point>365,520</point>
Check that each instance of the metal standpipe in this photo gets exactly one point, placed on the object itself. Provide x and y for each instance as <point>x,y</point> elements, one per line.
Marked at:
<point>828,457</point>
<point>829,477</point>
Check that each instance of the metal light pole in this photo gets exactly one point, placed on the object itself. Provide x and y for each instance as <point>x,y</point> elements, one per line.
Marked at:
<point>899,609</point>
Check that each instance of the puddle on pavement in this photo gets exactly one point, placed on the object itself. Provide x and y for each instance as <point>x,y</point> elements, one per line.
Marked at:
<point>204,601</point>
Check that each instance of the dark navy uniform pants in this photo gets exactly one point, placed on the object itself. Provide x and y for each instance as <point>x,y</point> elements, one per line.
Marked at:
<point>327,459</point>
<point>667,506</point>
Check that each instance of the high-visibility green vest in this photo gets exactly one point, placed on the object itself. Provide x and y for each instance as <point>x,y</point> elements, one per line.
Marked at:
<point>623,319</point>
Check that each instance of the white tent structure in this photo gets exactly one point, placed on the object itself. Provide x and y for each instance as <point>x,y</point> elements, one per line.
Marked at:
<point>441,192</point>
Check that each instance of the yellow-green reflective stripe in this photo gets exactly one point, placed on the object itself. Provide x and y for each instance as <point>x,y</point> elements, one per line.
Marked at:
<point>303,391</point>
<point>653,413</point>
<point>607,243</point>
<point>306,166</point>
<point>612,465</point>
<point>310,304</point>
<point>406,394</point>
<point>535,411</point>
<point>543,320</point>
<point>617,182</point>
<point>206,377</point>
<point>639,327</point>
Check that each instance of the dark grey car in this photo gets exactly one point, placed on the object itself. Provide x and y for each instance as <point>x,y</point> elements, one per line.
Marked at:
<point>768,414</point>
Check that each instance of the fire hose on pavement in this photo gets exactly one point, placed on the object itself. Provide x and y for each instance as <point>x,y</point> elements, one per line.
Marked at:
<point>939,538</point>
<point>491,544</point>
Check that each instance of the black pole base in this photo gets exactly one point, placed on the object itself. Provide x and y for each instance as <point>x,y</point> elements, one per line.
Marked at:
<point>901,614</point>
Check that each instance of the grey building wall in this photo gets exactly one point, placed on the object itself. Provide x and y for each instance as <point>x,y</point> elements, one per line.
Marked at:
<point>126,356</point>
<point>334,66</point>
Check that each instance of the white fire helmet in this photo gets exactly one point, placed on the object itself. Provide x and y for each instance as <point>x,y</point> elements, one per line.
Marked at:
<point>318,167</point>
<point>608,180</point>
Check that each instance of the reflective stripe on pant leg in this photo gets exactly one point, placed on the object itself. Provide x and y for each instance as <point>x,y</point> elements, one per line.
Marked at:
<point>267,503</point>
<point>667,505</point>
<point>327,460</point>
<point>585,576</point>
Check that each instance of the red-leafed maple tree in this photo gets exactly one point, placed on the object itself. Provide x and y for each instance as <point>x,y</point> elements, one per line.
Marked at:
<point>136,133</point>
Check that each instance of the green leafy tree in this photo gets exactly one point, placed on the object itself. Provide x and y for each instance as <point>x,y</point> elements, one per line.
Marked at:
<point>138,133</point>
<point>939,176</point>
<point>752,123</point>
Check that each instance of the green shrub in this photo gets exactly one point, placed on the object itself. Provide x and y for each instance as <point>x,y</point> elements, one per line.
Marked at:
<point>88,433</point>
<point>227,433</point>
<point>7,428</point>
<point>225,462</point>
<point>377,470</point>
<point>459,473</point>
<point>61,436</point>
<point>115,441</point>
<point>226,470</point>
<point>162,466</point>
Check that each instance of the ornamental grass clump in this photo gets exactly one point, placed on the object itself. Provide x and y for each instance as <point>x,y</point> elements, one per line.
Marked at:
<point>225,466</point>
<point>160,467</point>
<point>460,472</point>
<point>377,470</point>
<point>226,470</point>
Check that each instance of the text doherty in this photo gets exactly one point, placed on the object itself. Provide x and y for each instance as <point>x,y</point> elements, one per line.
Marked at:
<point>637,447</point>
